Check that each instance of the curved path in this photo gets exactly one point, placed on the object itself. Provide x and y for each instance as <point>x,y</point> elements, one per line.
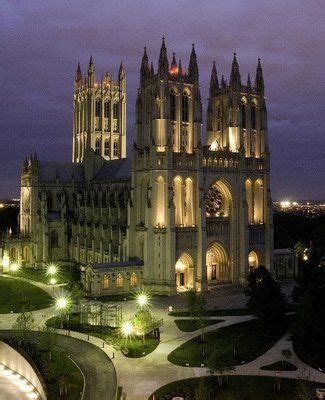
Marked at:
<point>97,368</point>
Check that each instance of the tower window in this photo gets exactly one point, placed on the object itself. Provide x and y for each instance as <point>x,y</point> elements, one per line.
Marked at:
<point>106,109</point>
<point>106,147</point>
<point>54,239</point>
<point>115,148</point>
<point>98,108</point>
<point>243,115</point>
<point>115,111</point>
<point>219,111</point>
<point>172,99</point>
<point>185,108</point>
<point>119,281</point>
<point>105,282</point>
<point>97,146</point>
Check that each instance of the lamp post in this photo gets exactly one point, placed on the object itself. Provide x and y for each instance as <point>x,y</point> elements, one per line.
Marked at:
<point>53,282</point>
<point>62,305</point>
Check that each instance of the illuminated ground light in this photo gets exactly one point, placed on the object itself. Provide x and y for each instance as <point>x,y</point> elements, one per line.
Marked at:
<point>14,267</point>
<point>52,281</point>
<point>143,299</point>
<point>52,269</point>
<point>62,303</point>
<point>5,262</point>
<point>127,329</point>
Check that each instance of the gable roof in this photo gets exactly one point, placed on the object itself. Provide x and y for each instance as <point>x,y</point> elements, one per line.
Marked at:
<point>65,171</point>
<point>115,169</point>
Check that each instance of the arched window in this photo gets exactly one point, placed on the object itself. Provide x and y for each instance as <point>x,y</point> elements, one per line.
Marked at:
<point>13,254</point>
<point>160,201</point>
<point>98,108</point>
<point>115,110</point>
<point>172,100</point>
<point>179,201</point>
<point>185,107</point>
<point>253,116</point>
<point>119,281</point>
<point>105,282</point>
<point>54,239</point>
<point>258,202</point>
<point>26,254</point>
<point>106,149</point>
<point>249,199</point>
<point>49,202</point>
<point>134,279</point>
<point>189,202</point>
<point>97,146</point>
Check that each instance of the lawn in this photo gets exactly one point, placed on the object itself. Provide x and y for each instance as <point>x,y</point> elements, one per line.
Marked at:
<point>64,275</point>
<point>242,342</point>
<point>237,388</point>
<point>213,313</point>
<point>280,366</point>
<point>313,359</point>
<point>133,347</point>
<point>190,325</point>
<point>17,296</point>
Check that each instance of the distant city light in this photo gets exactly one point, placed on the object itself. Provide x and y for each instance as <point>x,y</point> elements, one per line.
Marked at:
<point>285,203</point>
<point>127,329</point>
<point>2,205</point>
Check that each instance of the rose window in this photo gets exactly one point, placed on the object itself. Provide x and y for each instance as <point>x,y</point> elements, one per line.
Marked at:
<point>213,201</point>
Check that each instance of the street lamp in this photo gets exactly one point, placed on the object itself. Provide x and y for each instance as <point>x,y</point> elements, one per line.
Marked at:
<point>14,268</point>
<point>52,269</point>
<point>142,299</point>
<point>62,304</point>
<point>53,282</point>
<point>127,329</point>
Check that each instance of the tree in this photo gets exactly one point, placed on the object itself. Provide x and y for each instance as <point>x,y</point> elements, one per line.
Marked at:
<point>48,339</point>
<point>143,322</point>
<point>265,299</point>
<point>304,391</point>
<point>24,323</point>
<point>196,306</point>
<point>286,354</point>
<point>77,293</point>
<point>220,362</point>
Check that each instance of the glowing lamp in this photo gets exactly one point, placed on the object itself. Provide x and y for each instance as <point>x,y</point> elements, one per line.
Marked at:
<point>5,262</point>
<point>127,328</point>
<point>61,303</point>
<point>142,299</point>
<point>52,269</point>
<point>14,267</point>
<point>52,281</point>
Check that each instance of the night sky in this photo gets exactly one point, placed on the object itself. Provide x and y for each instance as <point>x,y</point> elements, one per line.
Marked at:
<point>42,41</point>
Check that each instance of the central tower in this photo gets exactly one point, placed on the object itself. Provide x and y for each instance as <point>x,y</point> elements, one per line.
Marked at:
<point>166,163</point>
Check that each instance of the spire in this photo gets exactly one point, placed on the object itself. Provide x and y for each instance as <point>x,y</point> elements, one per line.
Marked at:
<point>193,70</point>
<point>152,71</point>
<point>249,84</point>
<point>121,72</point>
<point>163,60</point>
<point>173,66</point>
<point>144,70</point>
<point>235,82</point>
<point>91,66</point>
<point>78,74</point>
<point>223,82</point>
<point>214,84</point>
<point>259,81</point>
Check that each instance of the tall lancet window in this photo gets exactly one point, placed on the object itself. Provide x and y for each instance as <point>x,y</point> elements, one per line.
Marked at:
<point>172,101</point>
<point>98,108</point>
<point>97,146</point>
<point>179,201</point>
<point>185,107</point>
<point>106,147</point>
<point>189,202</point>
<point>243,115</point>
<point>253,116</point>
<point>160,201</point>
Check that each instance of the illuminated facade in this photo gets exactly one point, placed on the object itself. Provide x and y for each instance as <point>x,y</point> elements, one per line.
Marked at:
<point>179,213</point>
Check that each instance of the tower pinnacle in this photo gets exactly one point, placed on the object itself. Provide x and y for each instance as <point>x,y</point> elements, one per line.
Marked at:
<point>163,60</point>
<point>193,69</point>
<point>259,81</point>
<point>214,83</point>
<point>235,81</point>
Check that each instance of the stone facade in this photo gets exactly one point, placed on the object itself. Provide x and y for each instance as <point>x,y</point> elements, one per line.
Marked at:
<point>179,213</point>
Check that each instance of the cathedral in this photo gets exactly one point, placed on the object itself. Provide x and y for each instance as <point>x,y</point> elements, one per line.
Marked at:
<point>182,212</point>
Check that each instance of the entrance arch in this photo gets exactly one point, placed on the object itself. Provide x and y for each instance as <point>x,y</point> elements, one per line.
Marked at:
<point>252,260</point>
<point>217,262</point>
<point>184,272</point>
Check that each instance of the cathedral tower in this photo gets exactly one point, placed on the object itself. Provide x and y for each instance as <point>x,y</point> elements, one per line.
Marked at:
<point>99,125</point>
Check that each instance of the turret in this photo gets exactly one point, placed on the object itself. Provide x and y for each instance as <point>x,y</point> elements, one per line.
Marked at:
<point>214,83</point>
<point>235,81</point>
<point>91,71</point>
<point>173,66</point>
<point>144,70</point>
<point>249,84</point>
<point>193,69</point>
<point>259,81</point>
<point>163,67</point>
<point>78,78</point>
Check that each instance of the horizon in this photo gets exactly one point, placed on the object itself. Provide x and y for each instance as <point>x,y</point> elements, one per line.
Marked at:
<point>39,74</point>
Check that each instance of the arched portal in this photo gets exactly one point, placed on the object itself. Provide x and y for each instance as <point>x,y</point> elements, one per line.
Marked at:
<point>252,260</point>
<point>26,255</point>
<point>217,262</point>
<point>13,254</point>
<point>184,272</point>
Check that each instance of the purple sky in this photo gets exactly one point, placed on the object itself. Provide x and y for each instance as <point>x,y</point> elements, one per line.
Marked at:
<point>42,41</point>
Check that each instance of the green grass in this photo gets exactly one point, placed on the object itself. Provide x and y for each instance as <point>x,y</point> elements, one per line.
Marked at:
<point>214,313</point>
<point>17,296</point>
<point>237,388</point>
<point>313,359</point>
<point>133,347</point>
<point>64,275</point>
<point>190,325</point>
<point>243,342</point>
<point>280,366</point>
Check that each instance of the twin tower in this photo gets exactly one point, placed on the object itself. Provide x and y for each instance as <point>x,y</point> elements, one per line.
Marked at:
<point>198,213</point>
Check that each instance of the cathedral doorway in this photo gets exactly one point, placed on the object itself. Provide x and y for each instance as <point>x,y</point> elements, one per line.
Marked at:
<point>252,260</point>
<point>26,255</point>
<point>184,272</point>
<point>217,263</point>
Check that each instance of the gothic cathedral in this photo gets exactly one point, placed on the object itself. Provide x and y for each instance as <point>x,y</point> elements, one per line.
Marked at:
<point>182,212</point>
